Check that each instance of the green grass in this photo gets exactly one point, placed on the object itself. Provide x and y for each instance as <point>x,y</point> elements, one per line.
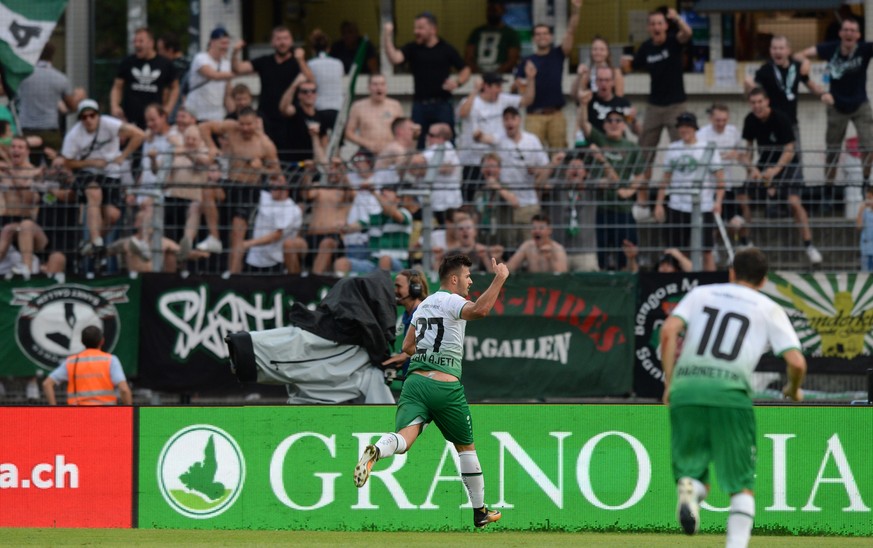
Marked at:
<point>494,537</point>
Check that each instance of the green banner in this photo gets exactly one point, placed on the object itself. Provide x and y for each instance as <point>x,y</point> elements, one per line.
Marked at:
<point>832,314</point>
<point>556,467</point>
<point>47,320</point>
<point>553,336</point>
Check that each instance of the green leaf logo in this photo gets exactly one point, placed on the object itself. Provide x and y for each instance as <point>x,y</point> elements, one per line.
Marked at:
<point>201,471</point>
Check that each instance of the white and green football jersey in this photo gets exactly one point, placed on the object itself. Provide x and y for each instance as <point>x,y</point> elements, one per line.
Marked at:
<point>439,333</point>
<point>727,329</point>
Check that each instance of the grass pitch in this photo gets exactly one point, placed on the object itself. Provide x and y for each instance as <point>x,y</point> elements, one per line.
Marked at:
<point>494,537</point>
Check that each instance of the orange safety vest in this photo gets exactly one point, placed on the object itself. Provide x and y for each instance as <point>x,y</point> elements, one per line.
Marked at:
<point>89,381</point>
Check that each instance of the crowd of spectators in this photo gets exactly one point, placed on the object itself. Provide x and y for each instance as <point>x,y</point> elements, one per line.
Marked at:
<point>185,169</point>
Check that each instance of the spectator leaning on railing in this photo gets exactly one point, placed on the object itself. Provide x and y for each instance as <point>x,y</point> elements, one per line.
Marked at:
<point>251,155</point>
<point>276,240</point>
<point>20,202</point>
<point>494,202</point>
<point>92,151</point>
<point>776,165</point>
<point>619,168</point>
<point>329,201</point>
<point>568,200</point>
<point>540,253</point>
<point>690,164</point>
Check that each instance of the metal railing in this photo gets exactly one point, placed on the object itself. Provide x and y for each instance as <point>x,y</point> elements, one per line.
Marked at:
<point>587,215</point>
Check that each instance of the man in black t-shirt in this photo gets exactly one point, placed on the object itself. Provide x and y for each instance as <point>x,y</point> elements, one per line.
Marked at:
<point>431,60</point>
<point>780,77</point>
<point>847,100</point>
<point>661,57</point>
<point>776,168</point>
<point>605,101</point>
<point>142,79</point>
<point>307,127</point>
<point>277,72</point>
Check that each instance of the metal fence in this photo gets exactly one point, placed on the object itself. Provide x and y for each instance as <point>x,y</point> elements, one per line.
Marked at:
<point>158,224</point>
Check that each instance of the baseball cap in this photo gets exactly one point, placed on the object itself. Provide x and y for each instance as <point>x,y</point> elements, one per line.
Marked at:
<point>492,78</point>
<point>686,119</point>
<point>218,32</point>
<point>87,104</point>
<point>615,111</point>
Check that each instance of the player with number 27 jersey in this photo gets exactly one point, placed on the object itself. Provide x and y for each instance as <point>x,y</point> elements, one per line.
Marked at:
<point>728,328</point>
<point>439,334</point>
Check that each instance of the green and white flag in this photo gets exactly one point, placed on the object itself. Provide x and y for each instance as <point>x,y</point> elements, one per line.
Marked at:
<point>25,27</point>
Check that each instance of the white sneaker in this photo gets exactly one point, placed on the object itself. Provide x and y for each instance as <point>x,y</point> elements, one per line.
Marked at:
<point>365,464</point>
<point>211,245</point>
<point>140,249</point>
<point>21,270</point>
<point>688,508</point>
<point>813,254</point>
<point>32,390</point>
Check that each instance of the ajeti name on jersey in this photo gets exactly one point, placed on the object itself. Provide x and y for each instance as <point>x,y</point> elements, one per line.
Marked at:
<point>439,334</point>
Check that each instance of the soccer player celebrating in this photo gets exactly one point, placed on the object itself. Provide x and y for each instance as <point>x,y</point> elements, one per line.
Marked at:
<point>727,327</point>
<point>432,390</point>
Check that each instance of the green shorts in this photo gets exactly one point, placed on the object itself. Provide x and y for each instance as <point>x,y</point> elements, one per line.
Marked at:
<point>444,403</point>
<point>723,435</point>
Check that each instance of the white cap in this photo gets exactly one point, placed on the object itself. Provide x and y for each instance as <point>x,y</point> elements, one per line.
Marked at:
<point>87,104</point>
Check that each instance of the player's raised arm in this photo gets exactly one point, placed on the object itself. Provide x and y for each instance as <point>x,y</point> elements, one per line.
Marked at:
<point>485,302</point>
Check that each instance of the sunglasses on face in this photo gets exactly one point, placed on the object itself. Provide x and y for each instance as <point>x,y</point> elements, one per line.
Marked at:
<point>613,120</point>
<point>307,91</point>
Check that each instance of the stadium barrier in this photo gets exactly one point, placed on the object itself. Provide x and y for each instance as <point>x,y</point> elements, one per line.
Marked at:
<point>547,467</point>
<point>568,336</point>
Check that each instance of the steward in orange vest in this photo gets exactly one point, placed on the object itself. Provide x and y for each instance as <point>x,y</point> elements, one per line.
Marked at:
<point>91,375</point>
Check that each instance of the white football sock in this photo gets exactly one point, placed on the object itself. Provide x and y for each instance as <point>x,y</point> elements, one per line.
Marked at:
<point>699,489</point>
<point>740,520</point>
<point>471,475</point>
<point>391,444</point>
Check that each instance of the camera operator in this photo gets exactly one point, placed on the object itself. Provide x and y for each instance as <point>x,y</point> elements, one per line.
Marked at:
<point>410,288</point>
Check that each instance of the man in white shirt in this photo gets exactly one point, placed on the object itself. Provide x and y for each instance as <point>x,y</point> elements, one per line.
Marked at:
<point>446,192</point>
<point>729,142</point>
<point>523,162</point>
<point>275,237</point>
<point>92,151</point>
<point>690,164</point>
<point>481,114</point>
<point>209,78</point>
